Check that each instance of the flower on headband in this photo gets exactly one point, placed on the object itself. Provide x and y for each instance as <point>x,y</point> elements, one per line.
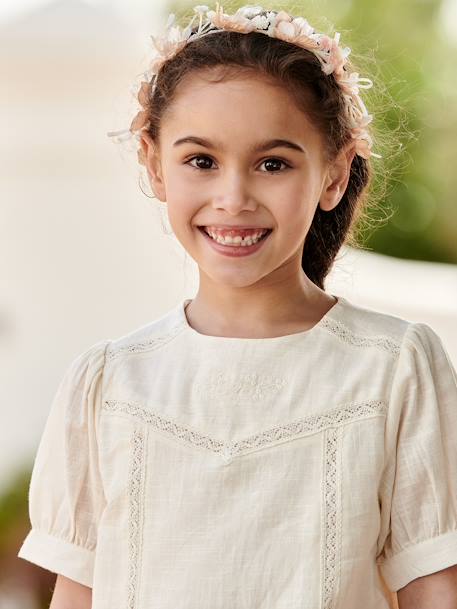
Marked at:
<point>296,31</point>
<point>167,46</point>
<point>363,149</point>
<point>235,23</point>
<point>352,83</point>
<point>139,121</point>
<point>363,143</point>
<point>332,56</point>
<point>250,11</point>
<point>201,9</point>
<point>143,94</point>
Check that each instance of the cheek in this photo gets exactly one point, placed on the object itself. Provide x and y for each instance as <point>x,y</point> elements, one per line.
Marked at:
<point>295,220</point>
<point>182,208</point>
<point>183,195</point>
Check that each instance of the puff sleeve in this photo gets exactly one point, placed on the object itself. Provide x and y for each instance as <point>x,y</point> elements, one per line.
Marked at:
<point>418,493</point>
<point>65,493</point>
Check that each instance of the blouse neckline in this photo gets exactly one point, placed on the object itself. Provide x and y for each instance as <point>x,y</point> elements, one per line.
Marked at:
<point>332,314</point>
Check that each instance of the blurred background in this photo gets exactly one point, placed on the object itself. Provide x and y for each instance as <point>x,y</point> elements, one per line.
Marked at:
<point>83,252</point>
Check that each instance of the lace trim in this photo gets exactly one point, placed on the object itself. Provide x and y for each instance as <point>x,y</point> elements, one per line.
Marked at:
<point>229,450</point>
<point>333,326</point>
<point>246,388</point>
<point>135,514</point>
<point>331,521</point>
<point>348,336</point>
<point>147,345</point>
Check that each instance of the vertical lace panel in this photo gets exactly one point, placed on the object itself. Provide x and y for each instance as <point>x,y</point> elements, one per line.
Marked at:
<point>136,507</point>
<point>331,521</point>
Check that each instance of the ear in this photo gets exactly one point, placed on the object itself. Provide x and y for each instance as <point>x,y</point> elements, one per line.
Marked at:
<point>153,165</point>
<point>337,178</point>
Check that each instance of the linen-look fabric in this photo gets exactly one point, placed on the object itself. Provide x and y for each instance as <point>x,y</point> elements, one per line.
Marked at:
<point>179,470</point>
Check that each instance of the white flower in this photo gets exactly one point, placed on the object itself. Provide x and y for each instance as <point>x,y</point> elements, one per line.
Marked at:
<point>174,35</point>
<point>200,9</point>
<point>286,28</point>
<point>249,11</point>
<point>305,27</point>
<point>170,20</point>
<point>260,22</point>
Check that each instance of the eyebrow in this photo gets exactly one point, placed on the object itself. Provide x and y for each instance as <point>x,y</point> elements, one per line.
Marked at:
<point>260,147</point>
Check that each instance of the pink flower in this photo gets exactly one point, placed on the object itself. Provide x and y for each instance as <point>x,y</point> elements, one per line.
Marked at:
<point>325,43</point>
<point>235,23</point>
<point>139,121</point>
<point>143,94</point>
<point>283,16</point>
<point>363,148</point>
<point>293,33</point>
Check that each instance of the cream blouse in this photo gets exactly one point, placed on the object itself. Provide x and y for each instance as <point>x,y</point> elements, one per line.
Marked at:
<point>179,470</point>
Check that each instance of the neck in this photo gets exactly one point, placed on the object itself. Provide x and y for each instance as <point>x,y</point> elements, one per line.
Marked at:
<point>268,308</point>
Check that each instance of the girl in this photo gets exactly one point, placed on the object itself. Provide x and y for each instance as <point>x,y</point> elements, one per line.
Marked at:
<point>265,444</point>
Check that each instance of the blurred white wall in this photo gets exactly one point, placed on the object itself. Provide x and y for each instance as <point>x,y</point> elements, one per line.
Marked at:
<point>83,255</point>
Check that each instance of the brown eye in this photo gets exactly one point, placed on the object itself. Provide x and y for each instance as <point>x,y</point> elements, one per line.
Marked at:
<point>273,163</point>
<point>201,165</point>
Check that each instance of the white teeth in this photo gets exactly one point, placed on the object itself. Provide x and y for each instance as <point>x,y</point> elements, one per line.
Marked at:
<point>237,240</point>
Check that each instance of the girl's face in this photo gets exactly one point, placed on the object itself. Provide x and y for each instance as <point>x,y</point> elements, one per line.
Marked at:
<point>218,166</point>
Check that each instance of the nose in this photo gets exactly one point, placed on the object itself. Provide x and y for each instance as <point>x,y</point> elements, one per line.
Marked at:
<point>234,193</point>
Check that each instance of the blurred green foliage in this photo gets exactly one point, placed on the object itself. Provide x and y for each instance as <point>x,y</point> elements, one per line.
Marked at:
<point>13,509</point>
<point>416,64</point>
<point>401,46</point>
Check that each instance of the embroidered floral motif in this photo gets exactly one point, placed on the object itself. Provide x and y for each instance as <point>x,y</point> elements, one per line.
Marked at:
<point>135,514</point>
<point>248,387</point>
<point>275,435</point>
<point>384,342</point>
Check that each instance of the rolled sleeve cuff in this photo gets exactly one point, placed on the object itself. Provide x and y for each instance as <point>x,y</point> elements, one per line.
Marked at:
<point>59,556</point>
<point>420,559</point>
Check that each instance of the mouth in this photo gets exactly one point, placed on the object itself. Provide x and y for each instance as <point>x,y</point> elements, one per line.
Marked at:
<point>236,237</point>
<point>239,242</point>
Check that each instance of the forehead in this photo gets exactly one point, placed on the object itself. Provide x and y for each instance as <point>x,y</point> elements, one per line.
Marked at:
<point>238,108</point>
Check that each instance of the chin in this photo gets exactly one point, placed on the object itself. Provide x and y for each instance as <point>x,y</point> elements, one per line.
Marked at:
<point>232,279</point>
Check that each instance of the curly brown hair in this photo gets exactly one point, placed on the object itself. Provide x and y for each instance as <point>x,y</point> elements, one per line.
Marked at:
<point>318,95</point>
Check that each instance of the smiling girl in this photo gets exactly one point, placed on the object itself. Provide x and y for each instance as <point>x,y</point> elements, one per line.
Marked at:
<point>264,444</point>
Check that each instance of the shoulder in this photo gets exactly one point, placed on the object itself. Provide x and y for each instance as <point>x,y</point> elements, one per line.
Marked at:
<point>398,335</point>
<point>88,363</point>
<point>364,326</point>
<point>146,337</point>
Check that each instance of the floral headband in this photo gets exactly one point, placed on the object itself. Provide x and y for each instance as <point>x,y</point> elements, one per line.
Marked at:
<point>277,25</point>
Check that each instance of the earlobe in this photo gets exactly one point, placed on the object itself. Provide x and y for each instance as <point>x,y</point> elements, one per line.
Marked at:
<point>153,165</point>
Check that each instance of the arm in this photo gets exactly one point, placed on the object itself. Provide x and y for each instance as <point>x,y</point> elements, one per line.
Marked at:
<point>69,594</point>
<point>431,591</point>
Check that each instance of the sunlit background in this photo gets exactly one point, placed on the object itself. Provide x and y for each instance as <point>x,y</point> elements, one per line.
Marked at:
<point>83,252</point>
